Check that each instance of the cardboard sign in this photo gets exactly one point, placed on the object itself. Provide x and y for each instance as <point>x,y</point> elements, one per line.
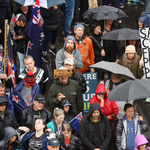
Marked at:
<point>145,44</point>
<point>60,73</point>
<point>91,81</point>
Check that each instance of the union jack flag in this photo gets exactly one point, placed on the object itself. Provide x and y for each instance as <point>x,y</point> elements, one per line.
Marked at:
<point>34,45</point>
<point>11,66</point>
<point>75,122</point>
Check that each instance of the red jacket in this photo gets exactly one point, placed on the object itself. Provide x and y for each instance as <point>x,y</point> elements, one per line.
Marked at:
<point>110,108</point>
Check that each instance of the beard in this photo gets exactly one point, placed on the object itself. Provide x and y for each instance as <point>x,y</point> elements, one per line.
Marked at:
<point>69,49</point>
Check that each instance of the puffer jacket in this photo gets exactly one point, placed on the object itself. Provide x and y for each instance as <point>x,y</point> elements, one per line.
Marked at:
<point>110,108</point>
<point>87,53</point>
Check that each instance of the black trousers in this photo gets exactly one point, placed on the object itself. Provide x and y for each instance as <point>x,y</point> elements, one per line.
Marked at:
<point>115,3</point>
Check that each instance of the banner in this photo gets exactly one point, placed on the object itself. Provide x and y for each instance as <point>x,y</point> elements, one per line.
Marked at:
<point>145,44</point>
<point>91,81</point>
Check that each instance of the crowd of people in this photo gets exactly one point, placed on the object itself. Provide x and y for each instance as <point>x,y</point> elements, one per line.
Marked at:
<point>27,124</point>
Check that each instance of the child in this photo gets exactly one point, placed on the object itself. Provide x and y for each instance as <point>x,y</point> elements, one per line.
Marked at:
<point>141,143</point>
<point>21,37</point>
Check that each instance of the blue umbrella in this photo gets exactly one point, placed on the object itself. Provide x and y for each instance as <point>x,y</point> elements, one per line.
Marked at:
<point>43,3</point>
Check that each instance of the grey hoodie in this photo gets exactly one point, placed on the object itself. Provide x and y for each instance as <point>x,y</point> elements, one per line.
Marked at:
<point>60,57</point>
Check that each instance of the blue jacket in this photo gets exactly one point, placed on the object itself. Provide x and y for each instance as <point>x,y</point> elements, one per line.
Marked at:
<point>17,99</point>
<point>26,138</point>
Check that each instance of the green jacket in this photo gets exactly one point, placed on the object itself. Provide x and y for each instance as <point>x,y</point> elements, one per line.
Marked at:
<point>71,90</point>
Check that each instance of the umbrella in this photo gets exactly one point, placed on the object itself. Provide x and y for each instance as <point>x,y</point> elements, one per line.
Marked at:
<point>104,12</point>
<point>130,90</point>
<point>113,67</point>
<point>43,3</point>
<point>122,34</point>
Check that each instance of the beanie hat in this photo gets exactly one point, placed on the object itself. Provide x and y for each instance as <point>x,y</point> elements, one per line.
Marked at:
<point>130,49</point>
<point>79,25</point>
<point>30,79</point>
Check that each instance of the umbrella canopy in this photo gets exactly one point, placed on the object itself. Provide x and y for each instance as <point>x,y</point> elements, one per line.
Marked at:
<point>122,34</point>
<point>43,3</point>
<point>113,67</point>
<point>131,90</point>
<point>104,12</point>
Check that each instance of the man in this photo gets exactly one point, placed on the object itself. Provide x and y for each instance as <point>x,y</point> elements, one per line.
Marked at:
<point>65,87</point>
<point>37,110</point>
<point>24,93</point>
<point>94,130</point>
<point>69,51</point>
<point>84,45</point>
<point>7,117</point>
<point>41,77</point>
<point>53,144</point>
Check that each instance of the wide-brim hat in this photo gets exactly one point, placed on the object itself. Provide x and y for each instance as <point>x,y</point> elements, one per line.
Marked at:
<point>130,49</point>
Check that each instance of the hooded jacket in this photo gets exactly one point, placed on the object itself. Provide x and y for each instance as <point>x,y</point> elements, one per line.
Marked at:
<point>140,140</point>
<point>8,133</point>
<point>86,130</point>
<point>60,57</point>
<point>110,108</point>
<point>87,53</point>
<point>144,20</point>
<point>71,90</point>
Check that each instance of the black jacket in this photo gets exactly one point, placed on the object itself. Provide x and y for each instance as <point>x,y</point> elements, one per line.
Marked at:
<point>86,130</point>
<point>79,78</point>
<point>75,143</point>
<point>52,18</point>
<point>8,121</point>
<point>27,118</point>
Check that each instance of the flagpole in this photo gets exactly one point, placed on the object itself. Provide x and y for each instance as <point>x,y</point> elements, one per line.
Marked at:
<point>5,49</point>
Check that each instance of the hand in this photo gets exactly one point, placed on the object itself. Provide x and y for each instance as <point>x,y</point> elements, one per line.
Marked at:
<point>140,118</point>
<point>3,76</point>
<point>48,130</point>
<point>101,99</point>
<point>140,63</point>
<point>104,32</point>
<point>55,7</point>
<point>25,129</point>
<point>92,70</point>
<point>60,96</point>
<point>20,37</point>
<point>97,149</point>
<point>67,55</point>
<point>108,117</point>
<point>15,38</point>
<point>0,31</point>
<point>102,52</point>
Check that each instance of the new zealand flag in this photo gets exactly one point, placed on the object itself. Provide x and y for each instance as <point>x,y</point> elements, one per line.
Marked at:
<point>34,45</point>
<point>75,122</point>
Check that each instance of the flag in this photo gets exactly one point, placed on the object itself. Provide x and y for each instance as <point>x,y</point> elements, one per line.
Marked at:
<point>11,66</point>
<point>75,122</point>
<point>34,45</point>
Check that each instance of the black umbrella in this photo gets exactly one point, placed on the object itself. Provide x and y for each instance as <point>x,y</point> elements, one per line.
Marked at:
<point>115,68</point>
<point>104,12</point>
<point>122,34</point>
<point>130,90</point>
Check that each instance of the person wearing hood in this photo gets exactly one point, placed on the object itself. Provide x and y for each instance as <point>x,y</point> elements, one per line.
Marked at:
<point>11,140</point>
<point>85,46</point>
<point>7,117</point>
<point>65,87</point>
<point>147,9</point>
<point>129,126</point>
<point>69,51</point>
<point>67,107</point>
<point>94,130</point>
<point>109,109</point>
<point>143,21</point>
<point>141,143</point>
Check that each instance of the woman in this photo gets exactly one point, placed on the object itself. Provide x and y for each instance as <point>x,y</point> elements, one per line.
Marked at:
<point>109,109</point>
<point>67,140</point>
<point>98,49</point>
<point>11,140</point>
<point>132,61</point>
<point>56,124</point>
<point>129,126</point>
<point>36,139</point>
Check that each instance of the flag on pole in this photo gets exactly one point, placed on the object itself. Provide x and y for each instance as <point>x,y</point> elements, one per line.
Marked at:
<point>34,45</point>
<point>75,122</point>
<point>11,66</point>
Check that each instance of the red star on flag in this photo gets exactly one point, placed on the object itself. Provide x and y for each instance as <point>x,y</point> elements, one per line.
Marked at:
<point>15,98</point>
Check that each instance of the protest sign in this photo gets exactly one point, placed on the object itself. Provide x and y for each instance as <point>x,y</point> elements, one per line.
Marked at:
<point>60,73</point>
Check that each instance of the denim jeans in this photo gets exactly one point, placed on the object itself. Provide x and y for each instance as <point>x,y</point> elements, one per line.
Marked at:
<point>147,9</point>
<point>49,35</point>
<point>115,3</point>
<point>21,57</point>
<point>68,16</point>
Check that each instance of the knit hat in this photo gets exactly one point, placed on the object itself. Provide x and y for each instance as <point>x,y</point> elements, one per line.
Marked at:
<point>130,49</point>
<point>79,25</point>
<point>19,17</point>
<point>30,79</point>
<point>69,61</point>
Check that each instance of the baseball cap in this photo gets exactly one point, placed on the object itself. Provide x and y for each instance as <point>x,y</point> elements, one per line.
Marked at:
<point>53,142</point>
<point>1,48</point>
<point>69,61</point>
<point>19,17</point>
<point>40,98</point>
